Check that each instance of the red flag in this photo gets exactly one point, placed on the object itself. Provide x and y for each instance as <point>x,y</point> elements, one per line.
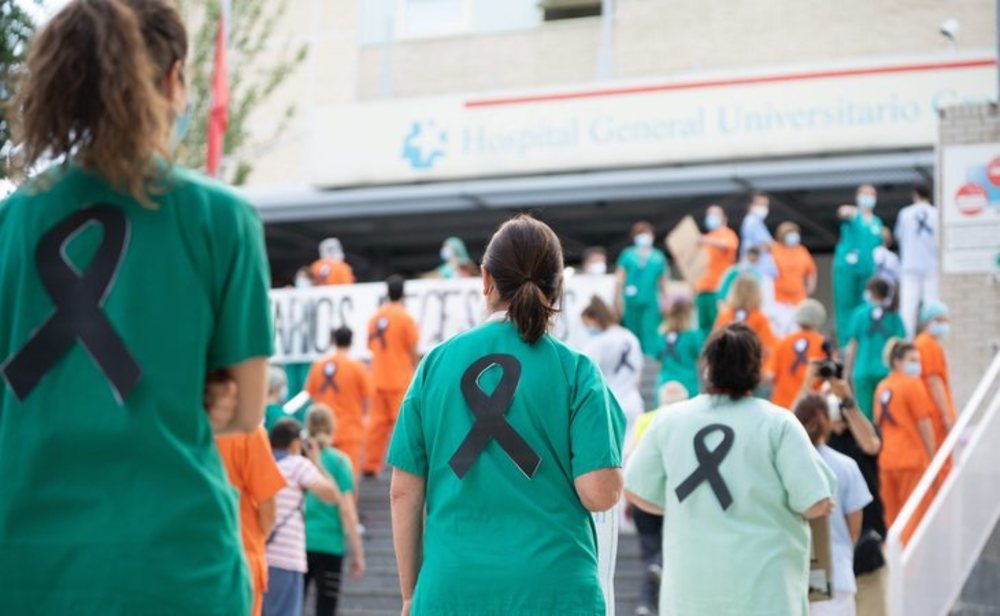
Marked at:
<point>218,115</point>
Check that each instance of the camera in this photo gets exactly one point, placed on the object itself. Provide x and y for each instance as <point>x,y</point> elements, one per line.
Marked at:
<point>829,369</point>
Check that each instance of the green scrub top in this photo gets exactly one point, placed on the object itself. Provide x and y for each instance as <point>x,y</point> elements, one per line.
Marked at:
<point>115,500</point>
<point>679,355</point>
<point>871,328</point>
<point>324,528</point>
<point>501,539</point>
<point>642,276</point>
<point>751,557</point>
<point>858,238</point>
<point>273,413</point>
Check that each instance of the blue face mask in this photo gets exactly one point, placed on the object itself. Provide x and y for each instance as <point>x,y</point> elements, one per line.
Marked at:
<point>866,202</point>
<point>939,329</point>
<point>793,239</point>
<point>181,125</point>
<point>912,368</point>
<point>713,221</point>
<point>643,240</point>
<point>592,330</point>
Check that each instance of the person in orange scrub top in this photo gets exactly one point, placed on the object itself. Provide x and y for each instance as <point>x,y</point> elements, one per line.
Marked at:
<point>254,473</point>
<point>744,306</point>
<point>344,385</point>
<point>720,244</point>
<point>331,268</point>
<point>793,354</point>
<point>392,340</point>
<point>796,276</point>
<point>934,328</point>
<point>903,413</point>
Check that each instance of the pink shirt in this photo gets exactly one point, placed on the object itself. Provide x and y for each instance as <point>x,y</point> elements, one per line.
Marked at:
<point>287,549</point>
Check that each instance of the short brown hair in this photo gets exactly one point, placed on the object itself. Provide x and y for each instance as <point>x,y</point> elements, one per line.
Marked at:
<point>599,311</point>
<point>732,356</point>
<point>813,413</point>
<point>643,226</point>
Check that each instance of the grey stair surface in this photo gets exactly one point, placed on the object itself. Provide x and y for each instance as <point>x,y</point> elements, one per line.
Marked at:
<point>981,595</point>
<point>377,593</point>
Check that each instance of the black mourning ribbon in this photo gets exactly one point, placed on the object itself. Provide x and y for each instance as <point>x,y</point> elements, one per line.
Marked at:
<point>490,423</point>
<point>78,298</point>
<point>623,361</point>
<point>378,333</point>
<point>670,350</point>
<point>801,347</point>
<point>876,325</point>
<point>329,378</point>
<point>884,400</point>
<point>708,465</point>
<point>922,226</point>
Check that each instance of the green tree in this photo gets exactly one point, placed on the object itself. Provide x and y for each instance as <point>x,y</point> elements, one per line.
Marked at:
<point>16,28</point>
<point>253,78</point>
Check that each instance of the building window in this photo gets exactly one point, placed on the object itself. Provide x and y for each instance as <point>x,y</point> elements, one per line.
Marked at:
<point>555,10</point>
<point>431,18</point>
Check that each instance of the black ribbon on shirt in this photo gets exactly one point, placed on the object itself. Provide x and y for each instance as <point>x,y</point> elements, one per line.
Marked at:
<point>876,327</point>
<point>490,423</point>
<point>886,415</point>
<point>78,298</point>
<point>922,226</point>
<point>623,361</point>
<point>801,348</point>
<point>378,333</point>
<point>708,465</point>
<point>329,378</point>
<point>670,350</point>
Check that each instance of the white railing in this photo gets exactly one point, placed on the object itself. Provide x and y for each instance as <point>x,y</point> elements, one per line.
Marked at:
<point>928,570</point>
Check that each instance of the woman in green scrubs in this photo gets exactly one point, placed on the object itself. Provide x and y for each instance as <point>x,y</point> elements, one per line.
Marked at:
<point>509,439</point>
<point>640,280</point>
<point>127,281</point>
<point>853,264</point>
<point>872,326</point>
<point>736,480</point>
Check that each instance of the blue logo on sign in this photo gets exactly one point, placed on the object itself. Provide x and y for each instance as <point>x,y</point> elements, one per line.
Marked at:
<point>424,145</point>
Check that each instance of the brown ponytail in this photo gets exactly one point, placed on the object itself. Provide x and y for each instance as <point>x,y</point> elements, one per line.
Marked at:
<point>92,90</point>
<point>525,260</point>
<point>813,413</point>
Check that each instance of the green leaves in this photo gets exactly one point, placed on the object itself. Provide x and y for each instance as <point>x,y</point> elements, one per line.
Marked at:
<point>16,29</point>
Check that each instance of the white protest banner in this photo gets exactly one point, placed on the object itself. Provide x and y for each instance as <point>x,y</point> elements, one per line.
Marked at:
<point>304,318</point>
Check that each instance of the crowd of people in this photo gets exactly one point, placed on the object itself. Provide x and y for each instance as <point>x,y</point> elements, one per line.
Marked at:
<point>156,469</point>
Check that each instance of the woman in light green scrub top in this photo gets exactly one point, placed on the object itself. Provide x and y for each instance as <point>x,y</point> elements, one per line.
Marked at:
<point>509,439</point>
<point>738,480</point>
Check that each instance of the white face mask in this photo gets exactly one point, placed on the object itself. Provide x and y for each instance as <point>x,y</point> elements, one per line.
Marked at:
<point>912,368</point>
<point>793,239</point>
<point>713,221</point>
<point>446,253</point>
<point>761,211</point>
<point>644,240</point>
<point>866,201</point>
<point>596,268</point>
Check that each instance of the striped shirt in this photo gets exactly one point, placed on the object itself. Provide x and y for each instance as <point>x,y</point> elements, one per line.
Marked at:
<point>287,549</point>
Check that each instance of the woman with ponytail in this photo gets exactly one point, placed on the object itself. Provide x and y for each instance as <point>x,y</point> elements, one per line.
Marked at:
<point>509,439</point>
<point>129,284</point>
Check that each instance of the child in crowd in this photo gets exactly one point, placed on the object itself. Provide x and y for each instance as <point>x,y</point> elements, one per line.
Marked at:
<point>286,545</point>
<point>871,328</point>
<point>793,355</point>
<point>903,413</point>
<point>851,498</point>
<point>344,385</point>
<point>325,531</point>
<point>680,347</point>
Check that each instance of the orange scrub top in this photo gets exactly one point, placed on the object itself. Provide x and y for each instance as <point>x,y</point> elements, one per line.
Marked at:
<point>794,264</point>
<point>900,402</point>
<point>935,364</point>
<point>342,384</point>
<point>756,321</point>
<point>252,470</point>
<point>719,259</point>
<point>331,271</point>
<point>392,339</point>
<point>789,363</point>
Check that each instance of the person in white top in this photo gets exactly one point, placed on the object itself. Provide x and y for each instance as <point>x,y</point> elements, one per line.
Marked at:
<point>286,545</point>
<point>917,237</point>
<point>851,497</point>
<point>887,265</point>
<point>618,354</point>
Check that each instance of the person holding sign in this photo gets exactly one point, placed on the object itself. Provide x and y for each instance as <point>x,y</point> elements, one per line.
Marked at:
<point>640,280</point>
<point>127,282</point>
<point>509,439</point>
<point>720,244</point>
<point>737,479</point>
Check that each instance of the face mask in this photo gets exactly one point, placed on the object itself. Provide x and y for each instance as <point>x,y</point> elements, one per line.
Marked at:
<point>912,368</point>
<point>181,125</point>
<point>761,211</point>
<point>939,329</point>
<point>793,239</point>
<point>592,330</point>
<point>713,221</point>
<point>644,240</point>
<point>596,268</point>
<point>283,394</point>
<point>446,254</point>
<point>867,297</point>
<point>301,282</point>
<point>866,202</point>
